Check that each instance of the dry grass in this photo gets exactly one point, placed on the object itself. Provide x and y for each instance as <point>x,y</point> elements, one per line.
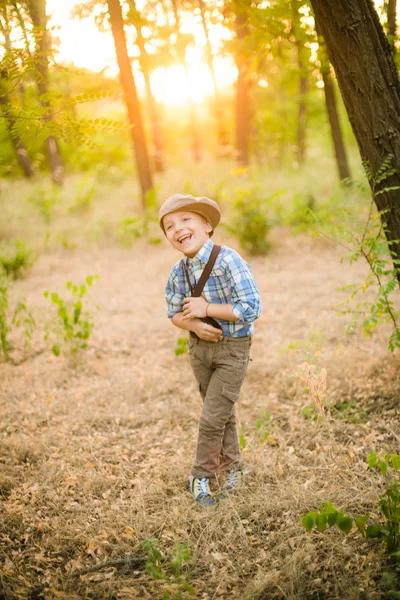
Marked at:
<point>94,459</point>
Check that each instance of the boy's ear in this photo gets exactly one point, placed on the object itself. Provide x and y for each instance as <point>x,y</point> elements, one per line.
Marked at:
<point>209,227</point>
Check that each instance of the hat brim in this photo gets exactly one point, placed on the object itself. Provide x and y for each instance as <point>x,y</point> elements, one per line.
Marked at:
<point>210,214</point>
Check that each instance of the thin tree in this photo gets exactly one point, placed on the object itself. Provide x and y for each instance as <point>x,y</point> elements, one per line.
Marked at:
<point>144,61</point>
<point>37,13</point>
<point>242,100</point>
<point>131,99</point>
<point>181,54</point>
<point>332,111</point>
<point>302,63</point>
<point>391,23</point>
<point>6,106</point>
<point>369,82</point>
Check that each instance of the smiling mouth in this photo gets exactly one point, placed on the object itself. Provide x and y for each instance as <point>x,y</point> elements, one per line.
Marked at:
<point>188,236</point>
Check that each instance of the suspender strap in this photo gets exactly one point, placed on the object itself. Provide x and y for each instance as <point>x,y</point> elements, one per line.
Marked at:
<point>197,290</point>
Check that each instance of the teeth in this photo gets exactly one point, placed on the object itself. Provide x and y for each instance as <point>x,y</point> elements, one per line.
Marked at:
<point>185,237</point>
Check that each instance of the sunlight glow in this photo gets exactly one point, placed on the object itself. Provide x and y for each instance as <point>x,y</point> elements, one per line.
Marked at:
<point>82,44</point>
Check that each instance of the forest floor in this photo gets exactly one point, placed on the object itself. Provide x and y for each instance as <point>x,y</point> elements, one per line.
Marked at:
<point>95,456</point>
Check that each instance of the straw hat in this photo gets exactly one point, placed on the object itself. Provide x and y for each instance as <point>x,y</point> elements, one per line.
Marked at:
<point>181,203</point>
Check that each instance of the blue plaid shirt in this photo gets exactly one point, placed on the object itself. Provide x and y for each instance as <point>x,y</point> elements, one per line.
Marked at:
<point>230,282</point>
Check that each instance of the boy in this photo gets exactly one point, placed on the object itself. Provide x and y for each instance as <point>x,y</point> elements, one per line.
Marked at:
<point>218,355</point>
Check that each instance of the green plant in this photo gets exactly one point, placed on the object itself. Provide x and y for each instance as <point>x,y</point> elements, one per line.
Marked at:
<point>388,531</point>
<point>169,569</point>
<point>263,424</point>
<point>21,318</point>
<point>44,200</point>
<point>86,192</point>
<point>4,328</point>
<point>72,326</point>
<point>250,224</point>
<point>369,243</point>
<point>181,346</point>
<point>144,226</point>
<point>15,263</point>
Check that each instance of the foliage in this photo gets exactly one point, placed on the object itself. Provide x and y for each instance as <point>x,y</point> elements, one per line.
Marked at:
<point>44,199</point>
<point>181,346</point>
<point>370,244</point>
<point>388,531</point>
<point>144,226</point>
<point>21,318</point>
<point>169,569</point>
<point>15,264</point>
<point>71,327</point>
<point>250,224</point>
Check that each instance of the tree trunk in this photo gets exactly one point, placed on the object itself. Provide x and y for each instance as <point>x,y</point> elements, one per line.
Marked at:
<point>151,103</point>
<point>303,82</point>
<point>391,22</point>
<point>222,133</point>
<point>363,61</point>
<point>331,108</point>
<point>193,121</point>
<point>22,154</point>
<point>242,104</point>
<point>131,99</point>
<point>37,12</point>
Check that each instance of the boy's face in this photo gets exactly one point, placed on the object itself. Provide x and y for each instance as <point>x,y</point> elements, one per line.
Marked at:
<point>186,231</point>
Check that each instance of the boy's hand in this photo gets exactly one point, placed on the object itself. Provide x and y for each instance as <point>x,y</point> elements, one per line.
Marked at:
<point>194,308</point>
<point>208,333</point>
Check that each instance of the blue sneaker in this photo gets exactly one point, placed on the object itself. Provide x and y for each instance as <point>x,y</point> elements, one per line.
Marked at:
<point>200,488</point>
<point>235,480</point>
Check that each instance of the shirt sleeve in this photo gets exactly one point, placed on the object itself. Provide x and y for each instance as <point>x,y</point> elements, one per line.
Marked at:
<point>174,294</point>
<point>245,297</point>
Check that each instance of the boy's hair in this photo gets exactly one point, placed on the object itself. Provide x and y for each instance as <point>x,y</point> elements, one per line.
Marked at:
<point>203,206</point>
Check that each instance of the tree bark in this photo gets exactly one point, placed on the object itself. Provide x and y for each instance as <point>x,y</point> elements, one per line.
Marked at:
<point>331,109</point>
<point>131,99</point>
<point>363,61</point>
<point>37,12</point>
<point>391,23</point>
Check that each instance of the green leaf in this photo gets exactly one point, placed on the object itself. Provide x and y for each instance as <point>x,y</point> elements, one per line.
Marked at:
<point>372,460</point>
<point>56,350</point>
<point>374,531</point>
<point>360,522</point>
<point>345,524</point>
<point>395,458</point>
<point>320,522</point>
<point>308,521</point>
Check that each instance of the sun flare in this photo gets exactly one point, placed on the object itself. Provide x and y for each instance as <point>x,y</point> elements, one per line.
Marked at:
<point>82,44</point>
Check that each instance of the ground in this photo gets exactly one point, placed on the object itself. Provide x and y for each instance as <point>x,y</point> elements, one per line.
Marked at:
<point>95,451</point>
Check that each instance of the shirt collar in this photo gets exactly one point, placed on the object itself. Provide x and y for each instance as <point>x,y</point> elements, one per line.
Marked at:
<point>203,254</point>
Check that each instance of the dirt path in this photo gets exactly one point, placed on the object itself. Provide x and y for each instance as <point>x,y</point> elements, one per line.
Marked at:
<point>94,459</point>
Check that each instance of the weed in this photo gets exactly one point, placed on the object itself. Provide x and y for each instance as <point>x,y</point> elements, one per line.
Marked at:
<point>169,569</point>
<point>15,264</point>
<point>44,200</point>
<point>84,197</point>
<point>144,226</point>
<point>388,531</point>
<point>181,346</point>
<point>71,327</point>
<point>21,318</point>
<point>263,423</point>
<point>242,438</point>
<point>4,328</point>
<point>250,224</point>
<point>370,243</point>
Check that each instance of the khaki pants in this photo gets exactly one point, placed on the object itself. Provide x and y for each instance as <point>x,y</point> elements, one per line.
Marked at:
<point>220,369</point>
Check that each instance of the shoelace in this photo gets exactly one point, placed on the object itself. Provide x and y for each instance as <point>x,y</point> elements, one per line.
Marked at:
<point>234,477</point>
<point>203,487</point>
